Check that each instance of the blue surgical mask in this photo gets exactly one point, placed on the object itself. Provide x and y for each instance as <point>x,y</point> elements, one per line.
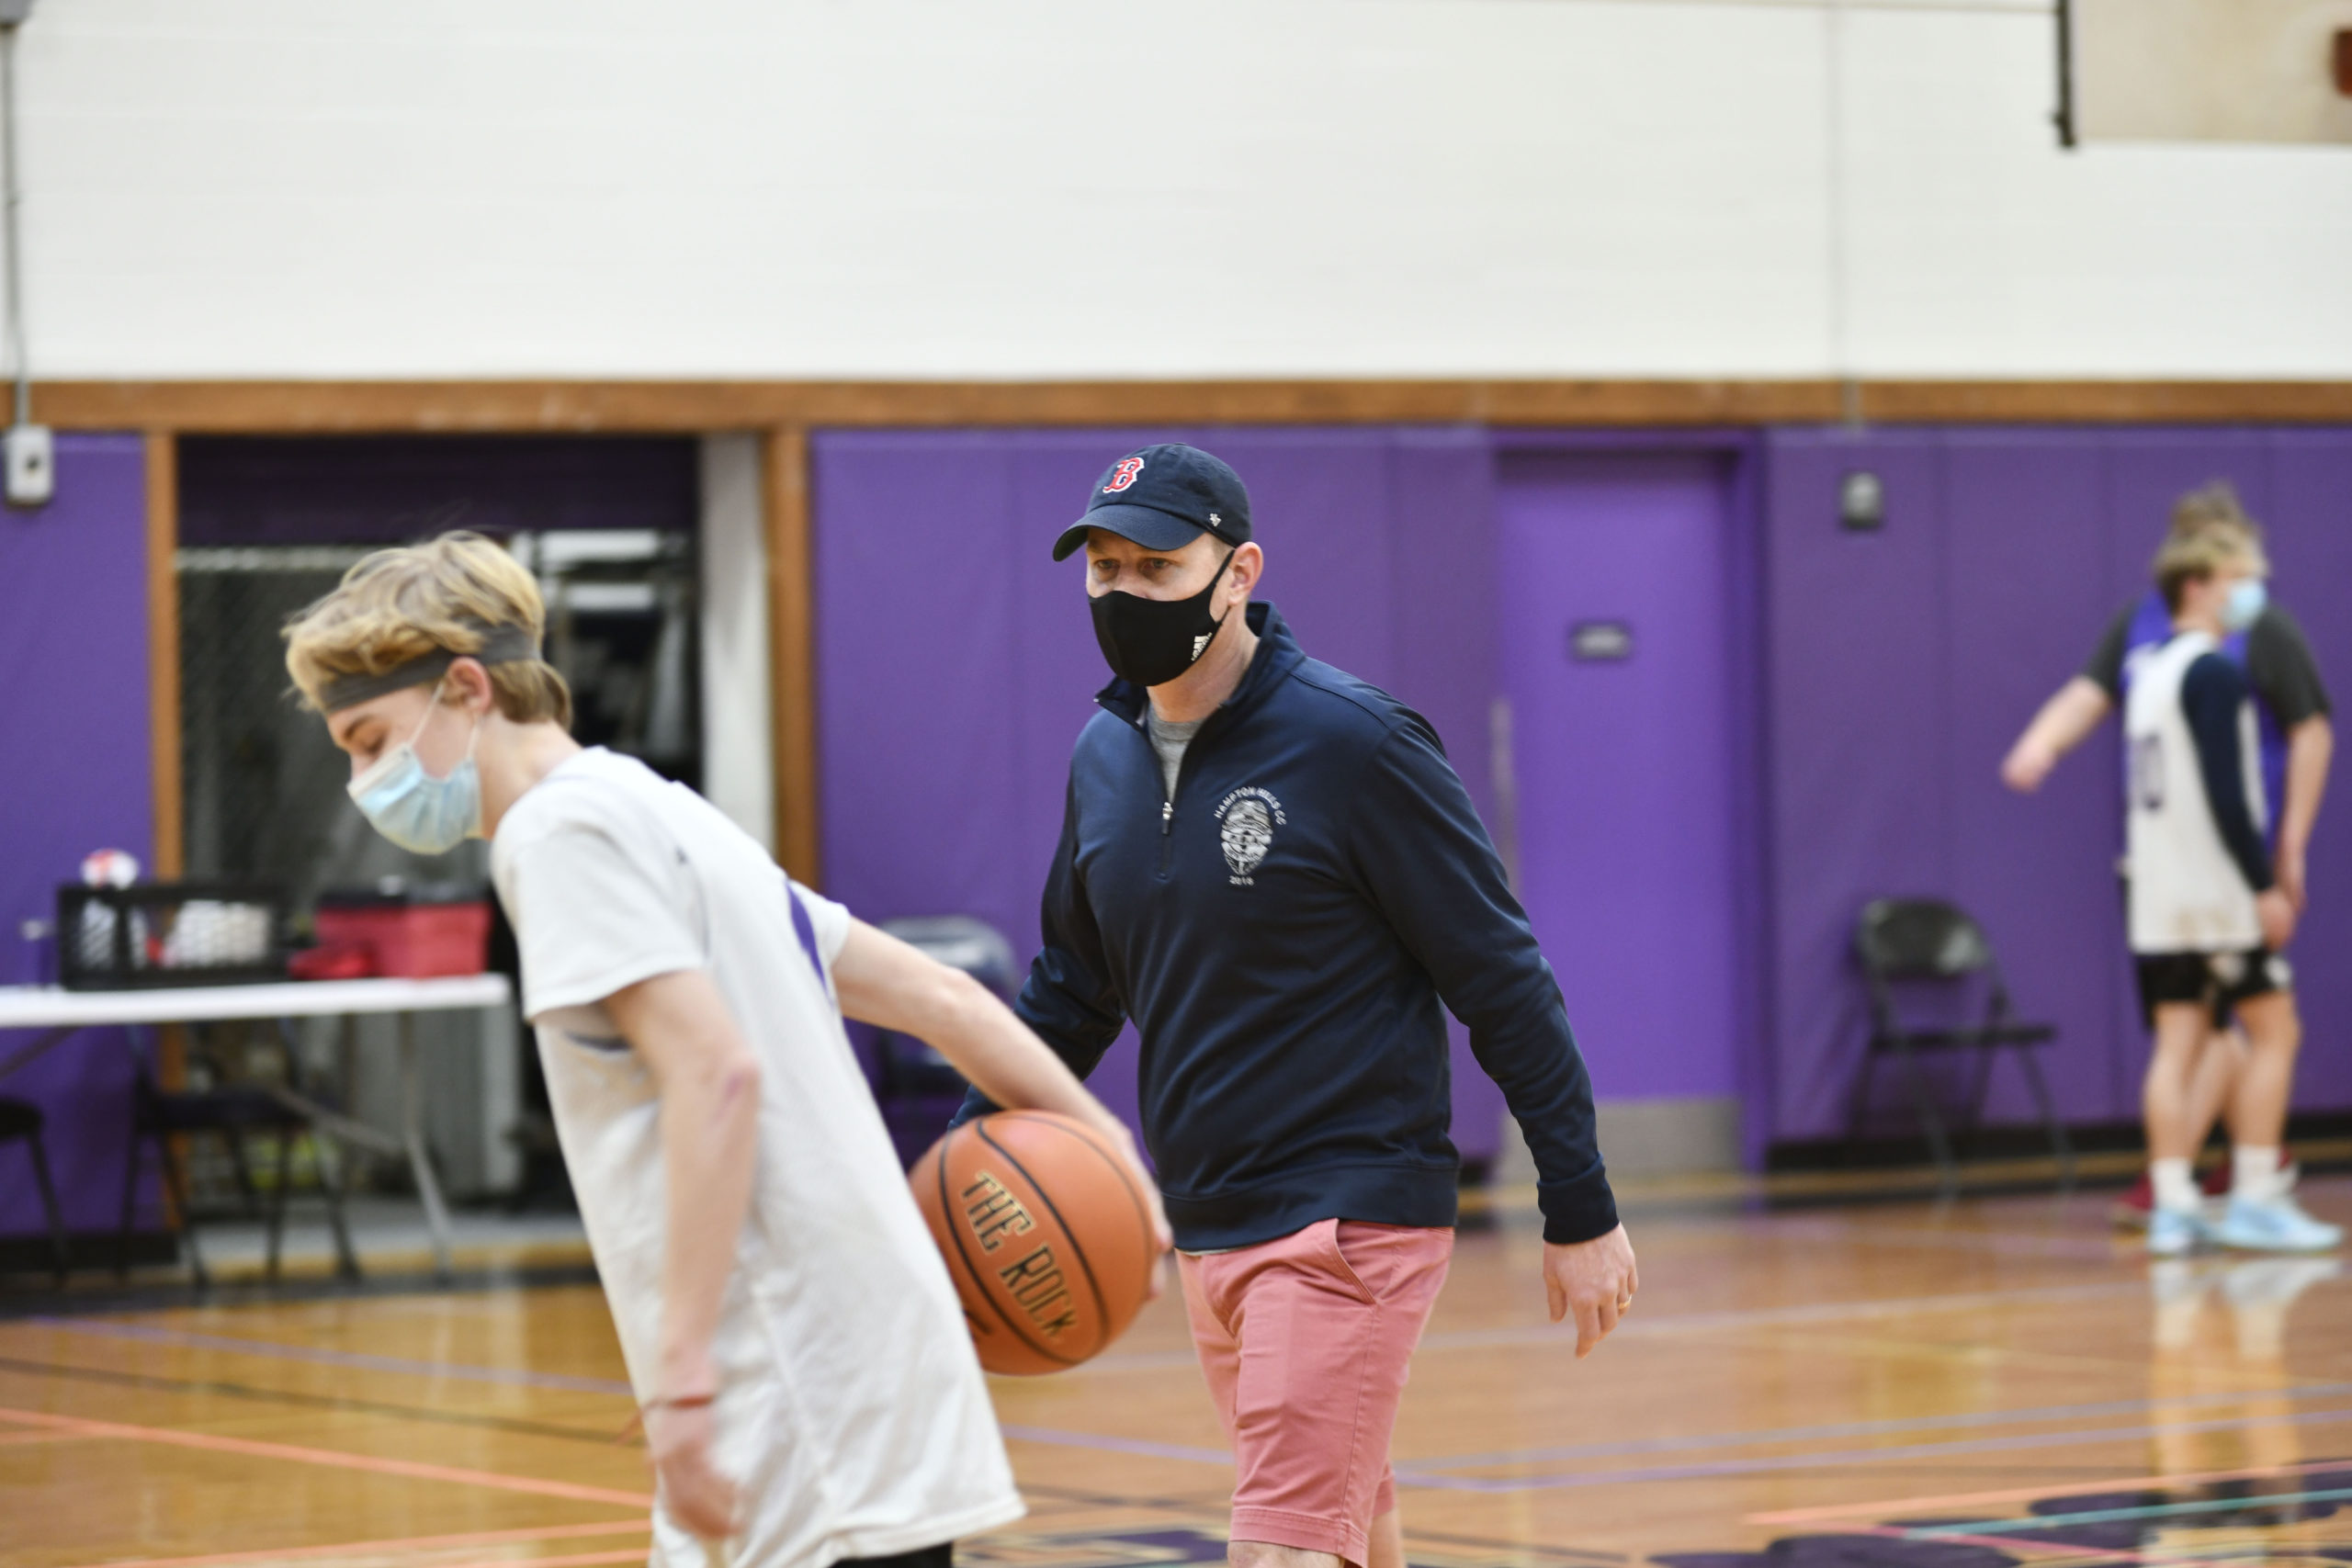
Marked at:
<point>411,807</point>
<point>2247,597</point>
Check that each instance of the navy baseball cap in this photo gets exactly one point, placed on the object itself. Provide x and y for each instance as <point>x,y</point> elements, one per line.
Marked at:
<point>1163,498</point>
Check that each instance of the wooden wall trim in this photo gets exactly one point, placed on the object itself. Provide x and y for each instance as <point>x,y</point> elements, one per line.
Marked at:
<point>708,406</point>
<point>792,651</point>
<point>164,652</point>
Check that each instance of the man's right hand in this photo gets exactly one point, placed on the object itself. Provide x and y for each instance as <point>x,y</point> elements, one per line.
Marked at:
<point>1112,1128</point>
<point>2277,913</point>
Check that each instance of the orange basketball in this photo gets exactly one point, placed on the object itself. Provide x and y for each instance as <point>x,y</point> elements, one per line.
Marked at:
<point>1048,1239</point>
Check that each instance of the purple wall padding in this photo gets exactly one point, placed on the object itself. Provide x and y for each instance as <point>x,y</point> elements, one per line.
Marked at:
<point>1900,664</point>
<point>365,489</point>
<point>955,664</point>
<point>75,775</point>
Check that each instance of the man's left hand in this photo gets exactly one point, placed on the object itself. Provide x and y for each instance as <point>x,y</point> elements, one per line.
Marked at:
<point>1596,1281</point>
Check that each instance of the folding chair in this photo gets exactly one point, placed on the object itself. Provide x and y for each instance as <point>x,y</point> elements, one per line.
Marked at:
<point>1925,943</point>
<point>22,1119</point>
<point>232,1113</point>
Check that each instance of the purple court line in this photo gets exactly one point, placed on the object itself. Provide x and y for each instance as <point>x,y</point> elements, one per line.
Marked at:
<point>2001,1243</point>
<point>1640,1327</point>
<point>457,1370</point>
<point>1116,1444</point>
<point>1407,1475</point>
<point>1702,1441</point>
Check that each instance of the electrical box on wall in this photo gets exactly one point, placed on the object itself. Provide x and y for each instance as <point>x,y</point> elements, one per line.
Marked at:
<point>31,465</point>
<point>1862,502</point>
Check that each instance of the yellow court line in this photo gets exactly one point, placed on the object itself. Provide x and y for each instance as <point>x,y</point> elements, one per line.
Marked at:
<point>410,1543</point>
<point>213,1443</point>
<point>2028,1494</point>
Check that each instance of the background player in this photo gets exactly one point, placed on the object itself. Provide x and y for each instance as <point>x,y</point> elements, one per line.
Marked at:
<point>2297,736</point>
<point>806,1376</point>
<point>1272,868</point>
<point>2209,921</point>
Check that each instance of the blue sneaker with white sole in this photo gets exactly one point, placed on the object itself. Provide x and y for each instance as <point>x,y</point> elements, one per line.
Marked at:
<point>2172,1231</point>
<point>2275,1225</point>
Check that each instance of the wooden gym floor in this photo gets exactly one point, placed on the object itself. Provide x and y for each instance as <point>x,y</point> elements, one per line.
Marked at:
<point>1999,1382</point>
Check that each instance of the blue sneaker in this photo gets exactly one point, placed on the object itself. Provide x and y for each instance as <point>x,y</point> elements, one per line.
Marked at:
<point>2275,1225</point>
<point>2172,1231</point>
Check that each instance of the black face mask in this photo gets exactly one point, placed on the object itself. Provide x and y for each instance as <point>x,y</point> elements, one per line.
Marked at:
<point>1152,642</point>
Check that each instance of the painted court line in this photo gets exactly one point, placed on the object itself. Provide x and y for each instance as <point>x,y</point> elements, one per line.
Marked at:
<point>1554,1336</point>
<point>2029,1494</point>
<point>1754,1437</point>
<point>408,1543</point>
<point>1639,1327</point>
<point>210,1442</point>
<point>1148,1449</point>
<point>1567,1479</point>
<point>2113,1515</point>
<point>2073,1556</point>
<point>581,1559</point>
<point>459,1370</point>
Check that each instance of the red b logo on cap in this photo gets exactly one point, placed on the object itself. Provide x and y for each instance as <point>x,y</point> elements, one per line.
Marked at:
<point>1124,474</point>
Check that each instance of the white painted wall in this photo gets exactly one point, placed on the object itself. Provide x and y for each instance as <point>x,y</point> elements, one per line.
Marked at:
<point>1151,188</point>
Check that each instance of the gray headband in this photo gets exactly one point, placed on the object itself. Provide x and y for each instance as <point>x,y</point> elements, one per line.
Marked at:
<point>500,644</point>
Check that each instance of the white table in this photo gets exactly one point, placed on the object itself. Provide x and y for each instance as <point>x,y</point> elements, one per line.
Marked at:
<point>59,1013</point>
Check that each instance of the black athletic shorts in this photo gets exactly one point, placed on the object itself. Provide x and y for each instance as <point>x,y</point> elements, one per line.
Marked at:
<point>940,1556</point>
<point>2218,980</point>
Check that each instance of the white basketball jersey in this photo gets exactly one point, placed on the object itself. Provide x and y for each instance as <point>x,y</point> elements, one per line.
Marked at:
<point>2188,894</point>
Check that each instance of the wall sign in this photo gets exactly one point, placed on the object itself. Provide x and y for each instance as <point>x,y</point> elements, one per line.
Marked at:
<point>1600,642</point>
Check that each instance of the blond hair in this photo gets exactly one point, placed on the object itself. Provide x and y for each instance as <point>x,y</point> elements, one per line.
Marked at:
<point>2196,556</point>
<point>2213,507</point>
<point>446,595</point>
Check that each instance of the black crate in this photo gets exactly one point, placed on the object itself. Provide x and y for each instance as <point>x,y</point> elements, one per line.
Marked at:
<point>169,933</point>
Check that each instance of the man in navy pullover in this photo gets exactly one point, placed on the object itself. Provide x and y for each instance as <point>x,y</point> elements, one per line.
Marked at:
<point>1272,869</point>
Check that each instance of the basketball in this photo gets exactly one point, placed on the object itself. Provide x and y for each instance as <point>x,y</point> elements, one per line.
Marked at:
<point>1044,1233</point>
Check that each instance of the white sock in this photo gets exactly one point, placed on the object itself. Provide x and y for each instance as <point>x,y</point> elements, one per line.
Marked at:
<point>2254,1173</point>
<point>2176,1188</point>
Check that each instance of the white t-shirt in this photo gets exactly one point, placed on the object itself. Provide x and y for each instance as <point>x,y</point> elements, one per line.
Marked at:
<point>853,1409</point>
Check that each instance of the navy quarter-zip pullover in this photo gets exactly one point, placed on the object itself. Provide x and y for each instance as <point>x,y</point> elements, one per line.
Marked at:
<point>1284,929</point>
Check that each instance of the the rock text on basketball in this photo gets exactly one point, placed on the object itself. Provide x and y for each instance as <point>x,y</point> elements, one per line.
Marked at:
<point>1036,1283</point>
<point>993,1212</point>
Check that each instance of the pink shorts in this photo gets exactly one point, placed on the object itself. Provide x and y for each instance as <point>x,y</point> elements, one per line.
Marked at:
<point>1305,1341</point>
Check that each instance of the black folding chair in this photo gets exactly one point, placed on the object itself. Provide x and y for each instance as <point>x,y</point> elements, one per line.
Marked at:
<point>21,1120</point>
<point>1930,944</point>
<point>907,1069</point>
<point>232,1113</point>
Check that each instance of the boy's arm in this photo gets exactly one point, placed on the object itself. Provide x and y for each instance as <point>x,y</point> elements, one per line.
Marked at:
<point>2073,711</point>
<point>2279,663</point>
<point>884,981</point>
<point>2070,715</point>
<point>709,1082</point>
<point>2212,696</point>
<point>2311,747</point>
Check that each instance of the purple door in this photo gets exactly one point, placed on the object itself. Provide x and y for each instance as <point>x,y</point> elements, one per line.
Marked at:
<point>1615,656</point>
